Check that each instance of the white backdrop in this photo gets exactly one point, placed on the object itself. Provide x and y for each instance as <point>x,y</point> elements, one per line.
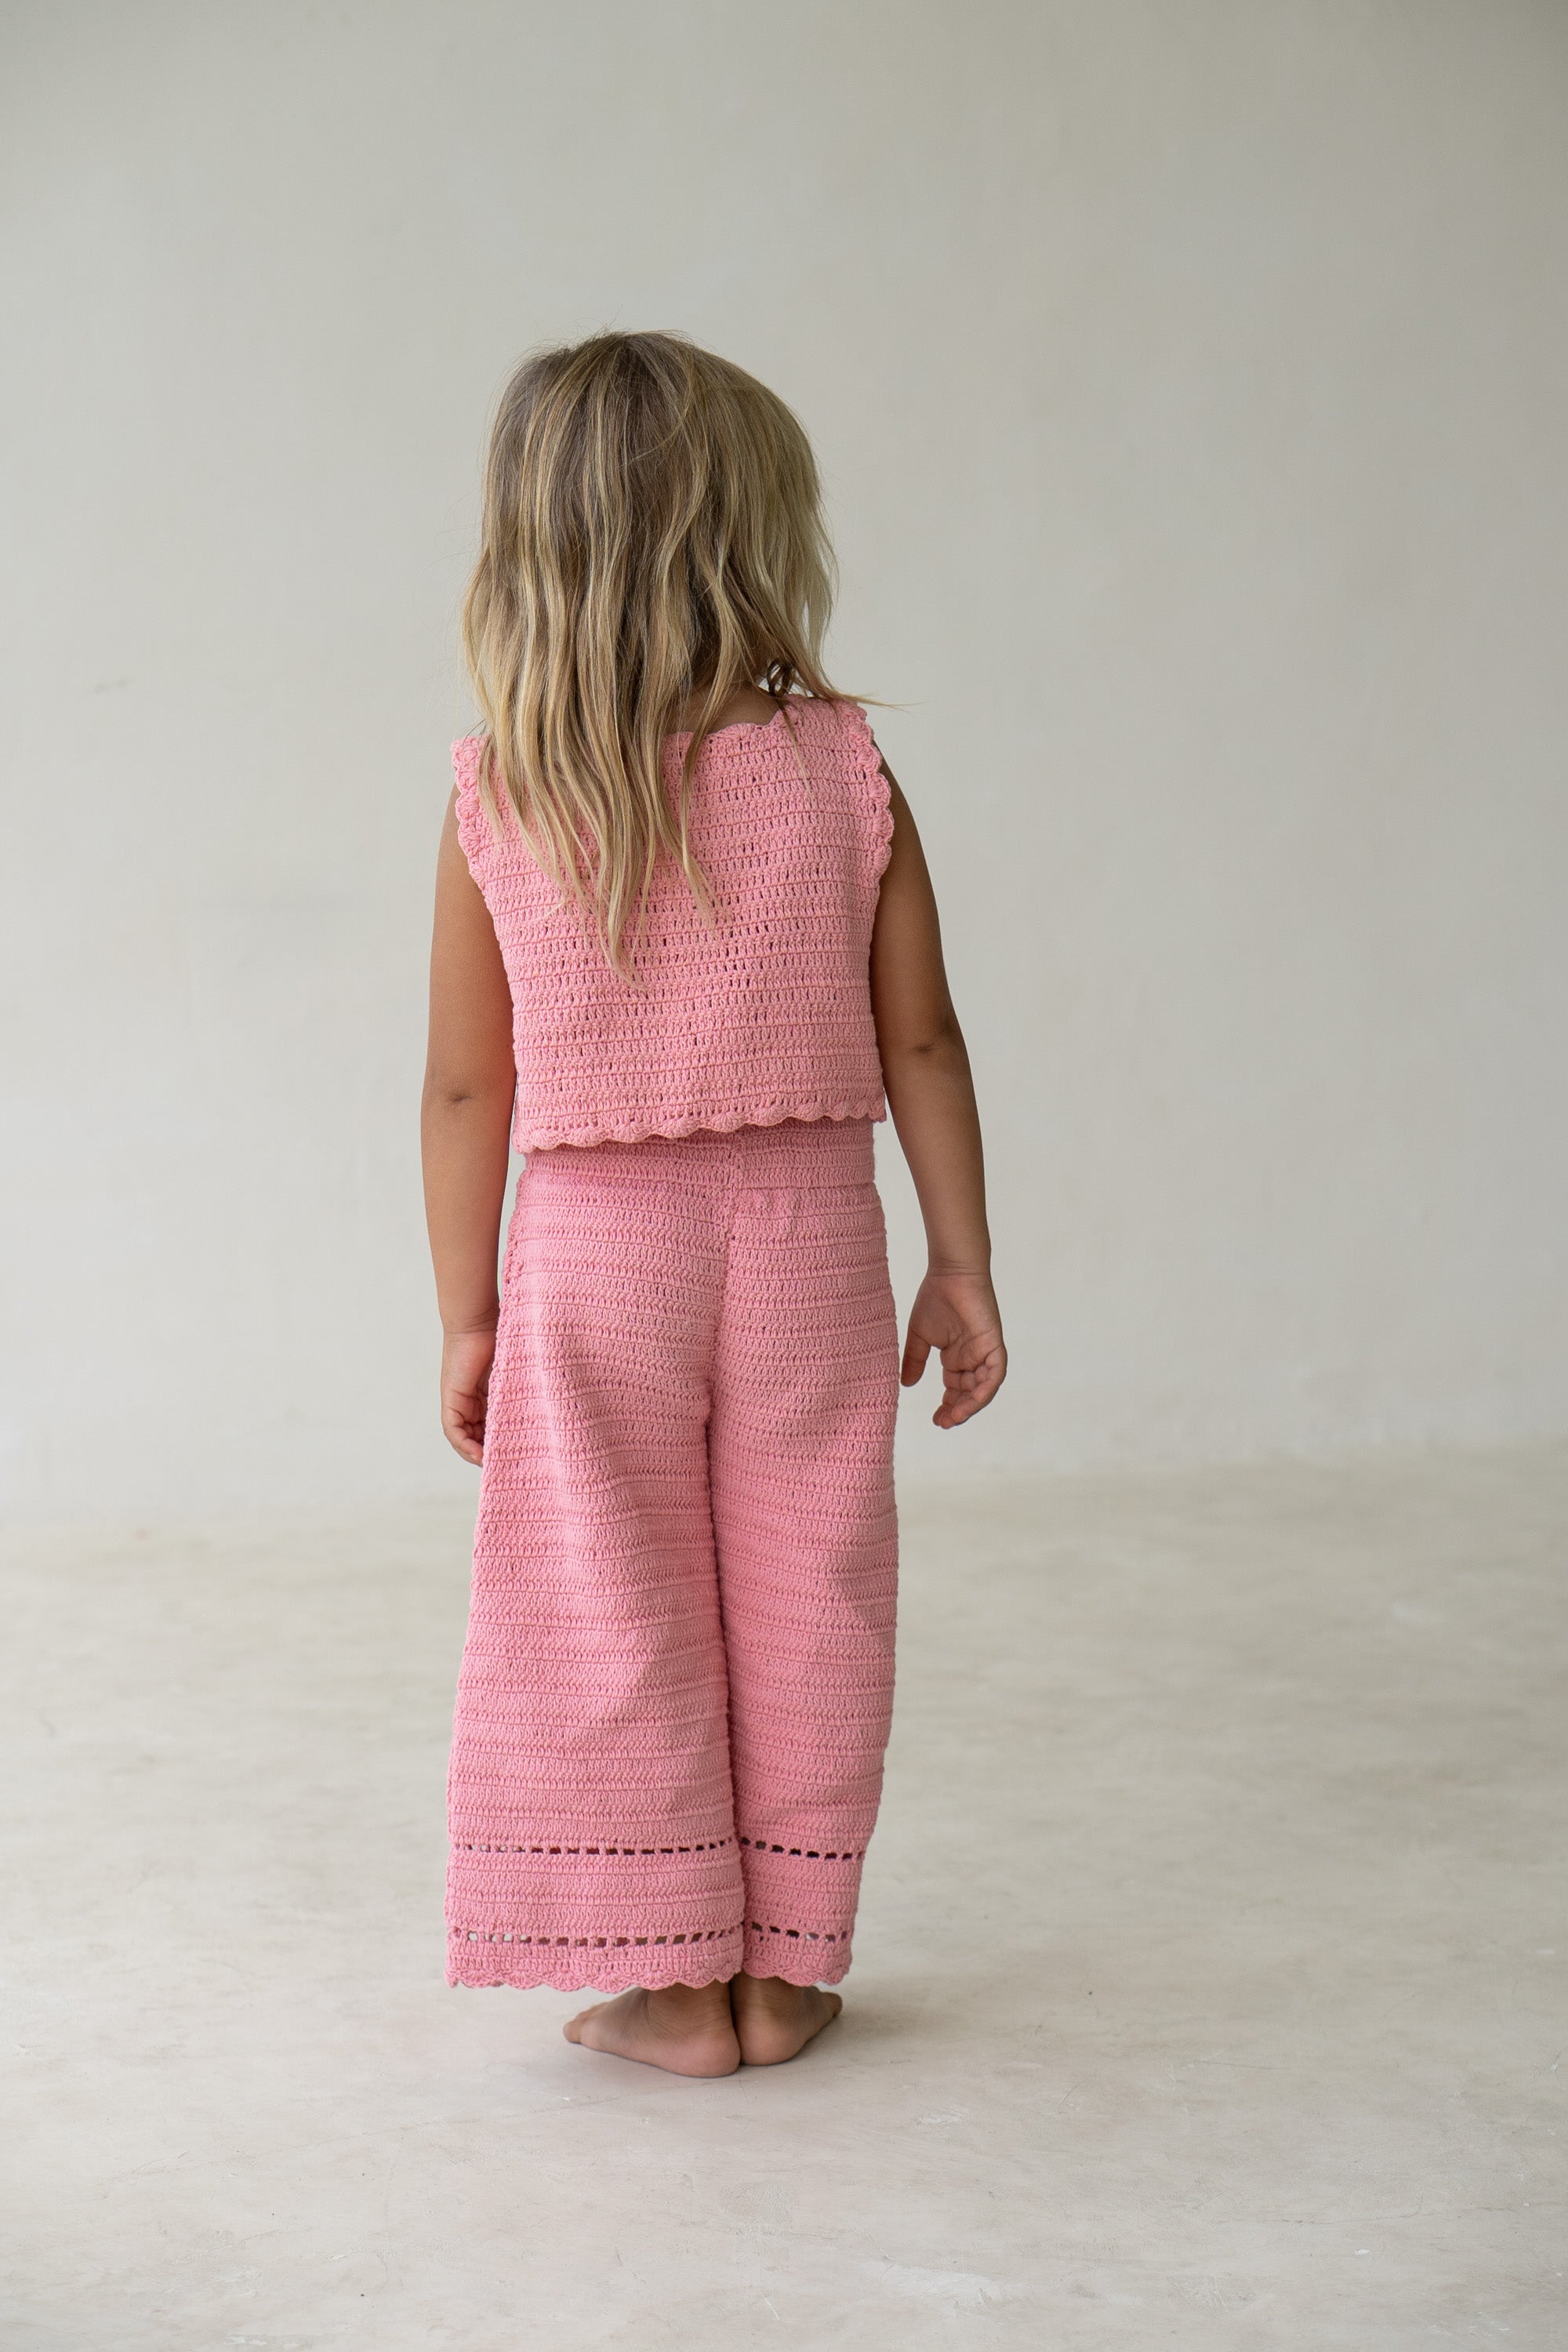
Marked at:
<point>1189,383</point>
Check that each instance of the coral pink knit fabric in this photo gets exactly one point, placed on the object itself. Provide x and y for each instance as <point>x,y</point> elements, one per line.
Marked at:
<point>765,1016</point>
<point>676,1686</point>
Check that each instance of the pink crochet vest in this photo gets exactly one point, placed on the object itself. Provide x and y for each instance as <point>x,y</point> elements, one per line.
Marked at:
<point>767,1016</point>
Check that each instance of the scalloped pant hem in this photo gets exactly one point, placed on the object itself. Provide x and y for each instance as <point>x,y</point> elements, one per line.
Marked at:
<point>483,1961</point>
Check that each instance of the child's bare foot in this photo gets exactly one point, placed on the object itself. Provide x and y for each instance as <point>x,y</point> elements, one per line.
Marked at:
<point>774,2021</point>
<point>685,2029</point>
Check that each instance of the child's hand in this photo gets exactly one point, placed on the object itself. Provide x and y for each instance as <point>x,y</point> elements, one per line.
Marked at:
<point>957,1315</point>
<point>465,1360</point>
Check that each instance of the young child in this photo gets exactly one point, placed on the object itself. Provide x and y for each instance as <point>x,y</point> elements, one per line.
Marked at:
<point>686,953</point>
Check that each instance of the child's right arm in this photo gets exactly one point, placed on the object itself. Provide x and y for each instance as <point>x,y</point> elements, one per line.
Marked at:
<point>925,1069</point>
<point>465,1114</point>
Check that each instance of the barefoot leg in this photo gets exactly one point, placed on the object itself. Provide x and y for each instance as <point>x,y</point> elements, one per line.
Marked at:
<point>775,2020</point>
<point>685,2029</point>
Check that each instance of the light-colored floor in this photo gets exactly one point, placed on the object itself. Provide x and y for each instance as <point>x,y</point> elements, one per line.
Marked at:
<point>1210,1989</point>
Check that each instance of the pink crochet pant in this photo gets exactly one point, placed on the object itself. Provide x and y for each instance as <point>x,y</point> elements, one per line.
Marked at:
<point>675,1692</point>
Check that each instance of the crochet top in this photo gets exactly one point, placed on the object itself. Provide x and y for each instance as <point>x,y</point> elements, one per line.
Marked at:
<point>762,1015</point>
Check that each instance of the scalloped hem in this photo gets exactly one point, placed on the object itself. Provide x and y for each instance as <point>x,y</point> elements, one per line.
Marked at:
<point>482,1975</point>
<point>833,1970</point>
<point>585,1965</point>
<point>479,1966</point>
<point>873,1108</point>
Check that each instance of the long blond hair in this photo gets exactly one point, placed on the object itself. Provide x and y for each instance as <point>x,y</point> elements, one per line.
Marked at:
<point>652,532</point>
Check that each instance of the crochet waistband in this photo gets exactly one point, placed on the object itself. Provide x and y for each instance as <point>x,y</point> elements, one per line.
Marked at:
<point>795,1155</point>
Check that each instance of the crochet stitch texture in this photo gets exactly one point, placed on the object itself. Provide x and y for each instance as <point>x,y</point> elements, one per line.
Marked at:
<point>677,1682</point>
<point>763,1018</point>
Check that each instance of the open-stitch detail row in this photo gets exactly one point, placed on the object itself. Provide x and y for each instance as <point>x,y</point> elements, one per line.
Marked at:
<point>713,1845</point>
<point>805,1935</point>
<point>805,1853</point>
<point>596,1943</point>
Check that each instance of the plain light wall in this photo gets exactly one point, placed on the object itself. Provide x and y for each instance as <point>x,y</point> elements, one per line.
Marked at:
<point>1189,383</point>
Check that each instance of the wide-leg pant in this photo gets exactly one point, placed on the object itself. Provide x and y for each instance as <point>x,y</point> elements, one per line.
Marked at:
<point>675,1690</point>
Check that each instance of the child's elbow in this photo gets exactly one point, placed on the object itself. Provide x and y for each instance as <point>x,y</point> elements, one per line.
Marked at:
<point>460,1090</point>
<point>936,1044</point>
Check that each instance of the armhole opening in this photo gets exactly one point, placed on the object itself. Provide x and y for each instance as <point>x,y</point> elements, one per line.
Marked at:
<point>880,797</point>
<point>474,829</point>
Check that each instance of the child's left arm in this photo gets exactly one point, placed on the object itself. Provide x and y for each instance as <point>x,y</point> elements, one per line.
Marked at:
<point>464,1124</point>
<point>930,1095</point>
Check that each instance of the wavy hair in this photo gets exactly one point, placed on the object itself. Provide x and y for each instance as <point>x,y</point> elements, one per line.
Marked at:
<point>652,533</point>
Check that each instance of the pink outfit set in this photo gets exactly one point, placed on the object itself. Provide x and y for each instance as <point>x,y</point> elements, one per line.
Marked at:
<point>675,1690</point>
